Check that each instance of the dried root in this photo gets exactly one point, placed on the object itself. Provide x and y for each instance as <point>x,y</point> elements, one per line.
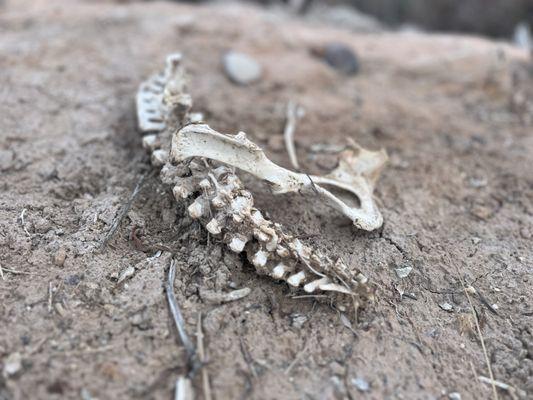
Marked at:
<point>199,163</point>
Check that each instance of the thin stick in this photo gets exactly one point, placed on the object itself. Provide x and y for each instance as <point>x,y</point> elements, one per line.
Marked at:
<point>296,359</point>
<point>293,112</point>
<point>125,209</point>
<point>501,385</point>
<point>50,296</point>
<point>2,273</point>
<point>15,272</point>
<point>201,354</point>
<point>178,317</point>
<point>487,360</point>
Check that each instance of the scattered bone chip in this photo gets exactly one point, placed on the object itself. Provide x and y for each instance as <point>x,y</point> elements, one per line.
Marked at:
<point>219,298</point>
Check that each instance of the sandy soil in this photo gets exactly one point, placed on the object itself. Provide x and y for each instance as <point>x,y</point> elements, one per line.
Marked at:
<point>457,200</point>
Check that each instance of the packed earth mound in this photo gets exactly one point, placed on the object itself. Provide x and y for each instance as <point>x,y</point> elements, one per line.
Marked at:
<point>79,320</point>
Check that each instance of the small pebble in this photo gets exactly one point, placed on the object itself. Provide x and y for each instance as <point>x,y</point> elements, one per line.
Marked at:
<point>446,306</point>
<point>125,274</point>
<point>361,384</point>
<point>7,159</point>
<point>337,368</point>
<point>12,364</point>
<point>73,280</point>
<point>298,320</point>
<point>454,396</point>
<point>60,257</point>
<point>403,272</point>
<point>341,58</point>
<point>241,68</point>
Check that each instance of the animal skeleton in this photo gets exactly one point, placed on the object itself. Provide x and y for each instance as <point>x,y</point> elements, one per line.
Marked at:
<point>200,165</point>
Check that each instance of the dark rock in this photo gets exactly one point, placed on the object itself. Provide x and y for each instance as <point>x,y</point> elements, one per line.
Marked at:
<point>341,58</point>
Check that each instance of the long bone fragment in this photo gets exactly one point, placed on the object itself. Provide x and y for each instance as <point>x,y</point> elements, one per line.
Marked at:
<point>356,174</point>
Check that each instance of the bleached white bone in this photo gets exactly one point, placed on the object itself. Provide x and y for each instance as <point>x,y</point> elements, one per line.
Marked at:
<point>357,172</point>
<point>237,244</point>
<point>296,279</point>
<point>279,270</point>
<point>222,203</point>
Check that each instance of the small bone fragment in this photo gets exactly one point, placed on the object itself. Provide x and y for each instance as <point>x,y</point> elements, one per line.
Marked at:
<point>150,142</point>
<point>181,191</point>
<point>125,274</point>
<point>196,209</point>
<point>296,279</point>
<point>313,286</point>
<point>159,157</point>
<point>219,298</point>
<point>278,271</point>
<point>213,227</point>
<point>333,287</point>
<point>237,244</point>
<point>357,172</point>
<point>260,259</point>
<point>184,389</point>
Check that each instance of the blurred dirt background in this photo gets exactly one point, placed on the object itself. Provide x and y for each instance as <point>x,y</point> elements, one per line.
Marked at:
<point>454,113</point>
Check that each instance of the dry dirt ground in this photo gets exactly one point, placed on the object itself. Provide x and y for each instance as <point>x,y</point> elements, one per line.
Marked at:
<point>457,200</point>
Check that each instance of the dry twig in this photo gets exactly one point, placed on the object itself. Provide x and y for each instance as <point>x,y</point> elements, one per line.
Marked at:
<point>502,385</point>
<point>293,113</point>
<point>15,272</point>
<point>178,317</point>
<point>296,359</point>
<point>126,208</point>
<point>201,354</point>
<point>481,339</point>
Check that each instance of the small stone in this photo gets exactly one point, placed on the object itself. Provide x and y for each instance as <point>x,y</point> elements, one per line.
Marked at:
<point>241,68</point>
<point>125,274</point>
<point>403,272</point>
<point>12,364</point>
<point>298,320</point>
<point>454,396</point>
<point>60,257</point>
<point>446,306</point>
<point>361,384</point>
<point>476,240</point>
<point>337,369</point>
<point>525,233</point>
<point>7,159</point>
<point>141,320</point>
<point>341,58</point>
<point>477,182</point>
<point>73,280</point>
